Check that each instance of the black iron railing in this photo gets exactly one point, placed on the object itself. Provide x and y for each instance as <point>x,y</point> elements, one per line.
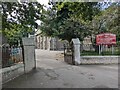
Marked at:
<point>11,55</point>
<point>89,49</point>
<point>68,54</point>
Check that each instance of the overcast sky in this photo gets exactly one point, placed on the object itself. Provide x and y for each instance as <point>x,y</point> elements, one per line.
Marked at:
<point>45,2</point>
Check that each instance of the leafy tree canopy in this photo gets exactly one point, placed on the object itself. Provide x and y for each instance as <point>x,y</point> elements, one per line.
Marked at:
<point>70,19</point>
<point>20,18</point>
<point>108,21</point>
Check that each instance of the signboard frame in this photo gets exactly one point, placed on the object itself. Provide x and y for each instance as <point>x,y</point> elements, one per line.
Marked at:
<point>106,39</point>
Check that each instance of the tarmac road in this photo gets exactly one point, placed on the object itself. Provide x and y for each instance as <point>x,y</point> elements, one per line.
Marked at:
<point>53,72</point>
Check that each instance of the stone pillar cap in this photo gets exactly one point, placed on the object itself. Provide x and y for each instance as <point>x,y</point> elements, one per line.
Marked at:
<point>75,41</point>
<point>28,41</point>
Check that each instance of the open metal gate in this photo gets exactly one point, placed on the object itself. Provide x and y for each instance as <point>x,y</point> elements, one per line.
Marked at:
<point>68,54</point>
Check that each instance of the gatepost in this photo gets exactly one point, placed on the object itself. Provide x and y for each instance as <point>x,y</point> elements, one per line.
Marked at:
<point>76,51</point>
<point>29,54</point>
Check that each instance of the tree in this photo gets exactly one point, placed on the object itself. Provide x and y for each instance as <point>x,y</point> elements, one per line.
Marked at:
<point>20,18</point>
<point>15,33</point>
<point>69,20</point>
<point>108,21</point>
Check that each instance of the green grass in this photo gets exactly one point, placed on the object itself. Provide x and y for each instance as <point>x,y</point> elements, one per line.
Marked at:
<point>93,53</point>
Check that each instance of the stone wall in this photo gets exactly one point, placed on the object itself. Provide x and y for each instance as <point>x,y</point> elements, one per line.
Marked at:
<point>12,72</point>
<point>100,59</point>
<point>89,60</point>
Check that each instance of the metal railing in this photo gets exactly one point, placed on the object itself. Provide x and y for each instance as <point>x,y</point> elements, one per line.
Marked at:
<point>89,49</point>
<point>68,54</point>
<point>11,55</point>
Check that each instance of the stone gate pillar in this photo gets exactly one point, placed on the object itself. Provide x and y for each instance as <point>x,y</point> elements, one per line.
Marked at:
<point>76,51</point>
<point>29,54</point>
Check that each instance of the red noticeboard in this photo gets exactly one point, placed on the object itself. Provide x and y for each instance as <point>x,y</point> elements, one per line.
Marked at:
<point>106,39</point>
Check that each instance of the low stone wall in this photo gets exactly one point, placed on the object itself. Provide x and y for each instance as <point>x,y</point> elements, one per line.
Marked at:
<point>99,59</point>
<point>12,72</point>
